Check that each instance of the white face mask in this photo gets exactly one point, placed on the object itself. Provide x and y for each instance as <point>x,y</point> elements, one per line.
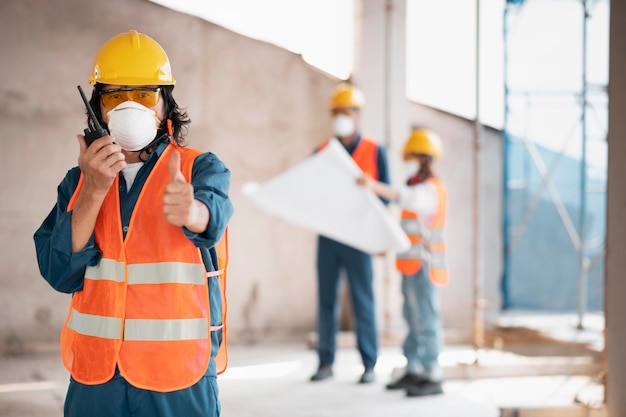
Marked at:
<point>132,125</point>
<point>343,125</point>
<point>410,168</point>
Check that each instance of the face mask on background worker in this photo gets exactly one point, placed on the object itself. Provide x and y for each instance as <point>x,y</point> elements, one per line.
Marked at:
<point>343,125</point>
<point>132,125</point>
<point>410,168</point>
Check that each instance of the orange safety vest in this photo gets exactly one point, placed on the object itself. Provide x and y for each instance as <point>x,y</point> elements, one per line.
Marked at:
<point>145,306</point>
<point>365,155</point>
<point>427,241</point>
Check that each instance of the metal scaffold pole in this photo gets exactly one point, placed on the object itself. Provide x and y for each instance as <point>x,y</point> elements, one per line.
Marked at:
<point>583,260</point>
<point>389,262</point>
<point>478,301</point>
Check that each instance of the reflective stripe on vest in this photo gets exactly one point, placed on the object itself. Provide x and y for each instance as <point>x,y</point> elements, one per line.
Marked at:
<point>424,243</point>
<point>110,328</point>
<point>417,251</point>
<point>414,227</point>
<point>92,325</point>
<point>145,306</point>
<point>437,260</point>
<point>163,272</point>
<point>181,329</point>
<point>157,273</point>
<point>107,269</point>
<point>437,236</point>
<point>427,242</point>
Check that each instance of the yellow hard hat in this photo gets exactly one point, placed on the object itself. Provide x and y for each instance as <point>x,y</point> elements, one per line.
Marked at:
<point>425,142</point>
<point>131,58</point>
<point>347,95</point>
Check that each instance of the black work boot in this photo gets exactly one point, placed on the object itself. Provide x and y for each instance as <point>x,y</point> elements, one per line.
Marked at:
<point>404,381</point>
<point>426,387</point>
<point>368,376</point>
<point>323,372</point>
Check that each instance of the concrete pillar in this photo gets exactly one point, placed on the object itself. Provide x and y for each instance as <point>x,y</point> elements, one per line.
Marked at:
<point>615,285</point>
<point>380,72</point>
<point>380,69</point>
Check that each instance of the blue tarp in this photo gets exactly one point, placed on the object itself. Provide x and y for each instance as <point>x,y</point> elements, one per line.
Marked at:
<point>542,266</point>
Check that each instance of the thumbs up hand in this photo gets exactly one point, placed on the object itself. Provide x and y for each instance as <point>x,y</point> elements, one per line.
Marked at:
<point>179,206</point>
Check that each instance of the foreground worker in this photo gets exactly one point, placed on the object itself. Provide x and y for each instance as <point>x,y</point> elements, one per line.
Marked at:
<point>345,106</point>
<point>424,201</point>
<point>133,238</point>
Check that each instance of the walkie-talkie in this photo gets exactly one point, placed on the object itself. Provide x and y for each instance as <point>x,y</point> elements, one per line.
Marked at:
<point>94,130</point>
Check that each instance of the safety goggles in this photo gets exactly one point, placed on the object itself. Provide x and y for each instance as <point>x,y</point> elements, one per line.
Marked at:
<point>348,111</point>
<point>146,96</point>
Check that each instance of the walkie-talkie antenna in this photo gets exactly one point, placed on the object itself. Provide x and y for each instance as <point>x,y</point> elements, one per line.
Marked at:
<point>94,130</point>
<point>92,115</point>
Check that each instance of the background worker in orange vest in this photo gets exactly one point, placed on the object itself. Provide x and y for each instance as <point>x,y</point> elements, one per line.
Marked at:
<point>133,238</point>
<point>424,202</point>
<point>332,256</point>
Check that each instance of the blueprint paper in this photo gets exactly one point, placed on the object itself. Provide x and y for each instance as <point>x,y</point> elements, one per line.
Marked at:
<point>321,194</point>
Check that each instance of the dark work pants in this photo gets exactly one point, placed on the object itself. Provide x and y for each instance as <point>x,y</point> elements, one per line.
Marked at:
<point>117,398</point>
<point>332,256</point>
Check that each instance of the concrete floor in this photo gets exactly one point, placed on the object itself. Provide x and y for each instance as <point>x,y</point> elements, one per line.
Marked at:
<point>273,381</point>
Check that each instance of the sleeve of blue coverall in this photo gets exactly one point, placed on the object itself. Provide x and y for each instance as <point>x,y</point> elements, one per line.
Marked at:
<point>383,168</point>
<point>211,180</point>
<point>63,269</point>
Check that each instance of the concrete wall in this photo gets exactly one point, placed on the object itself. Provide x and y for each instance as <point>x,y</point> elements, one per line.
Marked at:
<point>261,109</point>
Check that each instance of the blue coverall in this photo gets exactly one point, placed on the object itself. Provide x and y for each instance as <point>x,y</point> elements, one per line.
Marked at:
<point>65,271</point>
<point>332,256</point>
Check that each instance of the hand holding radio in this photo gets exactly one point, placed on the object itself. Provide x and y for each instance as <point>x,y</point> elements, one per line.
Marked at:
<point>100,158</point>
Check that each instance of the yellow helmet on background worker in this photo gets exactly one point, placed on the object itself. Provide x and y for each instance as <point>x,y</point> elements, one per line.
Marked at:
<point>132,58</point>
<point>423,141</point>
<point>347,95</point>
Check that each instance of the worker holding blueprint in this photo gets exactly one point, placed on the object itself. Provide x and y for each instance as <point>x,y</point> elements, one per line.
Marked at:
<point>333,256</point>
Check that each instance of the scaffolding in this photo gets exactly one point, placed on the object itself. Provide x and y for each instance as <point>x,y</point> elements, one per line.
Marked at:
<point>555,189</point>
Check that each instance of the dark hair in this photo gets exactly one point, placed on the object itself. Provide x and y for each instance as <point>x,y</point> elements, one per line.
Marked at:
<point>180,119</point>
<point>426,169</point>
